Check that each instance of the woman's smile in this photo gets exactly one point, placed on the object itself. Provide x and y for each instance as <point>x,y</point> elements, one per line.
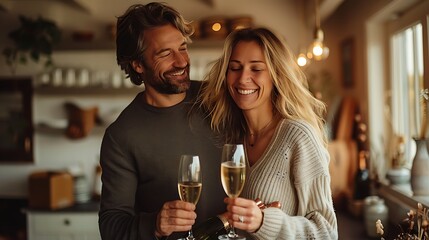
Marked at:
<point>246,91</point>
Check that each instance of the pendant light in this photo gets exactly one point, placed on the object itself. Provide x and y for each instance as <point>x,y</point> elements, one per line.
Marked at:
<point>318,51</point>
<point>302,59</point>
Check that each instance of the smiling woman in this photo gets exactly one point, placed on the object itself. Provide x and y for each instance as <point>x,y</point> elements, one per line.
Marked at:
<point>16,132</point>
<point>256,95</point>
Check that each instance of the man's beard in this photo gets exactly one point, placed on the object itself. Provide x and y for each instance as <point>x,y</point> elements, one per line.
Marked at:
<point>165,85</point>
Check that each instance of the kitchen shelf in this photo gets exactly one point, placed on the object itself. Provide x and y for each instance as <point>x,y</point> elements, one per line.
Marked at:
<point>86,90</point>
<point>207,43</point>
<point>86,45</point>
<point>70,45</point>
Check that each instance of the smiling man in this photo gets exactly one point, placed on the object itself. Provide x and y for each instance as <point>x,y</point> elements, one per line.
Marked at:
<point>140,151</point>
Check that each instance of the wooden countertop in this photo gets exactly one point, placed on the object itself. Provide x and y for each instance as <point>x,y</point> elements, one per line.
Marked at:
<point>91,206</point>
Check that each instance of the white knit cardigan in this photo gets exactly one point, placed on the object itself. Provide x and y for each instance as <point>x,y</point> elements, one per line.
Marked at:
<point>294,169</point>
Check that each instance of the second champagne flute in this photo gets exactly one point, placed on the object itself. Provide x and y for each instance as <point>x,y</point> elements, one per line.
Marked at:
<point>189,182</point>
<point>233,176</point>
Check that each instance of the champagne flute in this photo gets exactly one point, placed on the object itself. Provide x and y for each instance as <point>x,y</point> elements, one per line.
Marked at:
<point>189,182</point>
<point>233,175</point>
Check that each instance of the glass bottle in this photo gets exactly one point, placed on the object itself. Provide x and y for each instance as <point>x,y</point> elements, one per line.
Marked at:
<point>211,228</point>
<point>362,181</point>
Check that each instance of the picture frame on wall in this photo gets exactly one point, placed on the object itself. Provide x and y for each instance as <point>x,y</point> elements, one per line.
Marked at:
<point>16,127</point>
<point>347,62</point>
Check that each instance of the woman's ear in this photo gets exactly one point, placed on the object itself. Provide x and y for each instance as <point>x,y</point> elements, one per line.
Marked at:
<point>137,66</point>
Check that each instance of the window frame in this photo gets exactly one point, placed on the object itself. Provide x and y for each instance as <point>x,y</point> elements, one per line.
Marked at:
<point>406,107</point>
<point>379,27</point>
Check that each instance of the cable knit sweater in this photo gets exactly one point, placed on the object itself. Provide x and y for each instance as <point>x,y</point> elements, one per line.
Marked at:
<point>293,170</point>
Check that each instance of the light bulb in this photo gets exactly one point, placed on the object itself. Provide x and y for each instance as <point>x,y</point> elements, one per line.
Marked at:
<point>302,60</point>
<point>216,27</point>
<point>318,50</point>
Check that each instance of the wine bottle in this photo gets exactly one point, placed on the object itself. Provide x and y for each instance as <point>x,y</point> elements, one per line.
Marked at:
<point>219,225</point>
<point>211,228</point>
<point>362,180</point>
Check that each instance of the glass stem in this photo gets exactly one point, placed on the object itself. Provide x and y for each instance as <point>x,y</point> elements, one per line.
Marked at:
<point>190,235</point>
<point>231,233</point>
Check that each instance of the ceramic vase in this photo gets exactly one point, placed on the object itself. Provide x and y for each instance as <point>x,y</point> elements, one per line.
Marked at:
<point>374,209</point>
<point>420,169</point>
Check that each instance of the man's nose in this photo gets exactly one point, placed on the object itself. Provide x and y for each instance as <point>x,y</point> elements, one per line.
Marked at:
<point>180,60</point>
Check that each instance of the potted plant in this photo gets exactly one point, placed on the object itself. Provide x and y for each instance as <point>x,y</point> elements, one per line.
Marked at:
<point>34,39</point>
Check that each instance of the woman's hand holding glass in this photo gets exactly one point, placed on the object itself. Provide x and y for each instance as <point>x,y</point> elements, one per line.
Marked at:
<point>244,213</point>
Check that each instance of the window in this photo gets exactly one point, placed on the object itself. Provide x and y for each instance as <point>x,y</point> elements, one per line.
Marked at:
<point>398,68</point>
<point>406,48</point>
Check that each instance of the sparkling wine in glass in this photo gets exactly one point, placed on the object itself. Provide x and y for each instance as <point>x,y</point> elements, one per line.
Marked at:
<point>233,176</point>
<point>189,182</point>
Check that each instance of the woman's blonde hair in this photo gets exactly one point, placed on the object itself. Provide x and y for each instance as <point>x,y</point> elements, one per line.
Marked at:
<point>290,97</point>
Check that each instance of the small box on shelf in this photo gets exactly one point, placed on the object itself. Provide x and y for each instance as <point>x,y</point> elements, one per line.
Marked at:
<point>50,190</point>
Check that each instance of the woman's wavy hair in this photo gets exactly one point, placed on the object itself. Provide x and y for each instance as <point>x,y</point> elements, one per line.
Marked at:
<point>130,38</point>
<point>291,97</point>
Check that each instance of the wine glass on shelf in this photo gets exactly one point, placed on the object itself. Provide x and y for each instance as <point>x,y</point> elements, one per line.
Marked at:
<point>233,175</point>
<point>189,182</point>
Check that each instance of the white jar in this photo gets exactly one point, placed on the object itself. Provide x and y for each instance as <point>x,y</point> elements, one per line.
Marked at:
<point>83,78</point>
<point>374,209</point>
<point>57,77</point>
